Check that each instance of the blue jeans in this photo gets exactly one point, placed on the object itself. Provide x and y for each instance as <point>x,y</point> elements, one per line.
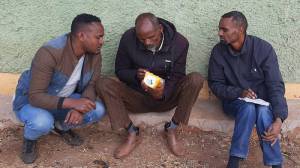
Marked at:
<point>246,116</point>
<point>38,121</point>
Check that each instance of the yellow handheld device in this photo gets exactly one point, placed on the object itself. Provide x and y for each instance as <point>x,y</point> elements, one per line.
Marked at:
<point>153,81</point>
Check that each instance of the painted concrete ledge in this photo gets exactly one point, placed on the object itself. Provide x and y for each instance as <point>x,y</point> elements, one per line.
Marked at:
<point>206,113</point>
<point>9,81</point>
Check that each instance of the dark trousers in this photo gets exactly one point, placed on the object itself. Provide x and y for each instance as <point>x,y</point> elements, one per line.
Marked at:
<point>120,99</point>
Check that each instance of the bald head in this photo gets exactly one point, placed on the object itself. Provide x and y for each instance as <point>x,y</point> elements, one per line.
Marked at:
<point>146,18</point>
<point>148,30</point>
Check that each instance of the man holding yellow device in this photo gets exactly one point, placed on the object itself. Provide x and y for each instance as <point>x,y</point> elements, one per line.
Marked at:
<point>150,64</point>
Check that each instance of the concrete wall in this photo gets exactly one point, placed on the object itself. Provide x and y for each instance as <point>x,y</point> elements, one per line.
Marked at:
<point>26,24</point>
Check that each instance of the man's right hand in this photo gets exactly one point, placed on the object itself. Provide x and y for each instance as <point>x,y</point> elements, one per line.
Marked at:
<point>273,132</point>
<point>249,93</point>
<point>82,105</point>
<point>141,73</point>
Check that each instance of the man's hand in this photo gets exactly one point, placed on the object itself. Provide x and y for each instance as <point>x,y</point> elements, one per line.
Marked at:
<point>141,73</point>
<point>249,93</point>
<point>74,117</point>
<point>273,131</point>
<point>156,93</point>
<point>82,105</point>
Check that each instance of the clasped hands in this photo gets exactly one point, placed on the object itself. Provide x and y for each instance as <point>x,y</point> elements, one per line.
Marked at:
<point>78,108</point>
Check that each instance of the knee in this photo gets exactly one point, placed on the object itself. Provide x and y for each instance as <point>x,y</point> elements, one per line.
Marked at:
<point>99,112</point>
<point>43,123</point>
<point>196,79</point>
<point>264,113</point>
<point>248,109</point>
<point>106,84</point>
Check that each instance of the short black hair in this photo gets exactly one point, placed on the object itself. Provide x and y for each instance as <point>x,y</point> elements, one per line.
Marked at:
<point>149,16</point>
<point>238,17</point>
<point>82,19</point>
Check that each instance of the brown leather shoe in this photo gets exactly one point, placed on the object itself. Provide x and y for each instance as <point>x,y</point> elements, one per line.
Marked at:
<point>132,141</point>
<point>174,144</point>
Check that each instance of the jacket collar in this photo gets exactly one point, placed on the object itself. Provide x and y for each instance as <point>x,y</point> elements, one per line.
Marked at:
<point>69,51</point>
<point>243,50</point>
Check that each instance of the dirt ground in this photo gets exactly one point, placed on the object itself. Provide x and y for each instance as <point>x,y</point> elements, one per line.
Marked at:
<point>204,150</point>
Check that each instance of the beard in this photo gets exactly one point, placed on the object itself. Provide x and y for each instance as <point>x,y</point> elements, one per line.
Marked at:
<point>151,47</point>
<point>222,41</point>
<point>94,52</point>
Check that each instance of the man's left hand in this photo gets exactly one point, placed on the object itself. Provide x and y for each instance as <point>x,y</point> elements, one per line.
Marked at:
<point>74,117</point>
<point>273,131</point>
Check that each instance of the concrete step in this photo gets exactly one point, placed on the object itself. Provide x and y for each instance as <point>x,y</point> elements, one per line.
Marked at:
<point>206,115</point>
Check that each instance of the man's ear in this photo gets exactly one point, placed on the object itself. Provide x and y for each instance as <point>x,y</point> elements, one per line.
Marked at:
<point>81,36</point>
<point>161,28</point>
<point>241,29</point>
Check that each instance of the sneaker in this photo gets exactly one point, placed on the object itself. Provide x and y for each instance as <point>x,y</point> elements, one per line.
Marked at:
<point>29,151</point>
<point>69,137</point>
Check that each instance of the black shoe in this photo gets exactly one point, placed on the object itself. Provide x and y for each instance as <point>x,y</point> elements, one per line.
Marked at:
<point>29,151</point>
<point>233,162</point>
<point>70,137</point>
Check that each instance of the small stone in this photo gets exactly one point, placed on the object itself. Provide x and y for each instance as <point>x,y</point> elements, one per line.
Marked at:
<point>176,163</point>
<point>97,162</point>
<point>102,163</point>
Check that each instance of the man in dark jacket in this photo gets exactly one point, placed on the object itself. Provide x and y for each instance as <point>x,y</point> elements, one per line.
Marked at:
<point>155,46</point>
<point>244,68</point>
